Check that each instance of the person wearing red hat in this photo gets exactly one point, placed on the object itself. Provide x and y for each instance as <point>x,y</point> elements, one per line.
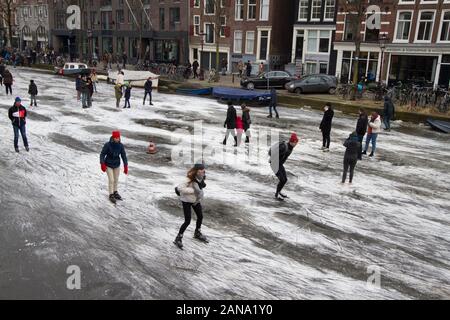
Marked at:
<point>110,163</point>
<point>279,153</point>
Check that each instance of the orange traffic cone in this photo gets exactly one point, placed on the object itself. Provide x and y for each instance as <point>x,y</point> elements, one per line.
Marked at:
<point>151,148</point>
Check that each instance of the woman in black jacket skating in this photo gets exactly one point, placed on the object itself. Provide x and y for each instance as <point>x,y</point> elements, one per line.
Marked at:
<point>351,155</point>
<point>246,120</point>
<point>361,129</point>
<point>325,126</point>
<point>230,123</point>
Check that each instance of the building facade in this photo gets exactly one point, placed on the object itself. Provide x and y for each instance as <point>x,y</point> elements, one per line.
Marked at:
<point>313,34</point>
<point>33,24</point>
<point>154,30</point>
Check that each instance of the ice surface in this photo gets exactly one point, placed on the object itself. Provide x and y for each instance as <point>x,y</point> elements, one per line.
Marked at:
<point>321,243</point>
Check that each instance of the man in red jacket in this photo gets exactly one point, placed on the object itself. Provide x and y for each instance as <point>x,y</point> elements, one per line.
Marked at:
<point>17,114</point>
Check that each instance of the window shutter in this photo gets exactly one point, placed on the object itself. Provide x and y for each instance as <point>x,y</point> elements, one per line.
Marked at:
<point>191,30</point>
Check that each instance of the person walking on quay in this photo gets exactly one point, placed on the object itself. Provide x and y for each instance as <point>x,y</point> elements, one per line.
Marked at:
<point>240,68</point>
<point>372,133</point>
<point>351,155</point>
<point>8,81</point>
<point>33,92</point>
<point>224,66</point>
<point>279,153</point>
<point>248,68</point>
<point>18,114</point>
<point>118,94</point>
<point>361,129</point>
<point>230,124</point>
<point>388,113</point>
<point>261,68</point>
<point>273,103</point>
<point>246,120</point>
<point>325,127</point>
<point>110,163</point>
<point>127,95</point>
<point>148,87</point>
<point>195,66</point>
<point>191,195</point>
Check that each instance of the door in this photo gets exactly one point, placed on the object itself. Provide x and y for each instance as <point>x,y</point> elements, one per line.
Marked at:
<point>299,46</point>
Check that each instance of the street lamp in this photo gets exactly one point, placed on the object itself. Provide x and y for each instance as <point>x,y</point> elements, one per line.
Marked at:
<point>202,34</point>
<point>383,40</point>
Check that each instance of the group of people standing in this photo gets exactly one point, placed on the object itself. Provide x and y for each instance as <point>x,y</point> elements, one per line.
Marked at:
<point>85,86</point>
<point>123,89</point>
<point>237,125</point>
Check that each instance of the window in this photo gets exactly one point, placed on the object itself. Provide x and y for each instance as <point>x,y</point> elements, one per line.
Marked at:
<point>329,9</point>
<point>209,7</point>
<point>312,41</point>
<point>223,24</point>
<point>250,42</point>
<point>239,10</point>
<point>209,30</point>
<point>445,28</point>
<point>425,26</point>
<point>303,10</point>
<point>351,22</point>
<point>324,41</point>
<point>196,25</point>
<point>264,45</point>
<point>264,14</point>
<point>238,41</point>
<point>316,10</point>
<point>174,17</point>
<point>119,18</point>
<point>196,3</point>
<point>251,13</point>
<point>162,22</point>
<point>106,20</point>
<point>323,67</point>
<point>403,26</point>
<point>311,68</point>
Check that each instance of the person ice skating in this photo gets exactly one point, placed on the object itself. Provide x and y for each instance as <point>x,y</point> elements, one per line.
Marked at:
<point>230,124</point>
<point>33,92</point>
<point>85,96</point>
<point>372,133</point>
<point>195,66</point>
<point>110,163</point>
<point>351,155</point>
<point>148,87</point>
<point>191,196</point>
<point>388,113</point>
<point>18,114</point>
<point>239,129</point>
<point>273,103</point>
<point>127,95</point>
<point>325,127</point>
<point>118,94</point>
<point>361,129</point>
<point>78,81</point>
<point>8,81</point>
<point>120,78</point>
<point>94,80</point>
<point>279,153</point>
<point>246,120</point>
<point>90,86</point>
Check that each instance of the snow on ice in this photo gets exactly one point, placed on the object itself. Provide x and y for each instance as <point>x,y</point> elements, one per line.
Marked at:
<point>325,242</point>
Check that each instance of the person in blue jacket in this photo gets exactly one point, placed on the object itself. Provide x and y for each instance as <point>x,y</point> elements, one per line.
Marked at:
<point>110,163</point>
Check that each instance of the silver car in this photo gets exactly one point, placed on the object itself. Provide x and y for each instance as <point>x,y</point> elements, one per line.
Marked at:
<point>315,83</point>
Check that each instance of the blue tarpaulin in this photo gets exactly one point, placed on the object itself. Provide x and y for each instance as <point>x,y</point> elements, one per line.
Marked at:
<point>241,94</point>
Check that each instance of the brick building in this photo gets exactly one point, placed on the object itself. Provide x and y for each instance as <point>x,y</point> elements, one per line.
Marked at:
<point>33,24</point>
<point>255,30</point>
<point>156,30</point>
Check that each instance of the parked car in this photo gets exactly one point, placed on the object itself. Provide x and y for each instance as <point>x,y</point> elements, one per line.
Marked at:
<point>316,83</point>
<point>271,79</point>
<point>73,68</point>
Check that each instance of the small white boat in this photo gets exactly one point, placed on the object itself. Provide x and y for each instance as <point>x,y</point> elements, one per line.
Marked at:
<point>135,78</point>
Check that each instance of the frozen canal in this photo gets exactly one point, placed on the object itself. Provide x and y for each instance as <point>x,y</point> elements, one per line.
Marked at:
<point>325,242</point>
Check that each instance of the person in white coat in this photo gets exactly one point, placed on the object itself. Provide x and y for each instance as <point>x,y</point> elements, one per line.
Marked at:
<point>374,129</point>
<point>191,195</point>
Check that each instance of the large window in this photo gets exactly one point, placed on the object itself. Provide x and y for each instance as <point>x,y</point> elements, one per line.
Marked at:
<point>162,20</point>
<point>264,45</point>
<point>425,26</point>
<point>329,9</point>
<point>318,41</point>
<point>174,17</point>
<point>196,25</point>
<point>312,40</point>
<point>316,10</point>
<point>251,13</point>
<point>239,10</point>
<point>250,42</point>
<point>324,41</point>
<point>264,14</point>
<point>303,10</point>
<point>209,6</point>
<point>106,17</point>
<point>367,65</point>
<point>351,23</point>
<point>445,28</point>
<point>238,41</point>
<point>403,26</point>
<point>223,24</point>
<point>209,30</point>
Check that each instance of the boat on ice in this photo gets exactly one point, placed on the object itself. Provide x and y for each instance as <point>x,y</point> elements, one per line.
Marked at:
<point>439,125</point>
<point>195,92</point>
<point>73,69</point>
<point>135,78</point>
<point>254,97</point>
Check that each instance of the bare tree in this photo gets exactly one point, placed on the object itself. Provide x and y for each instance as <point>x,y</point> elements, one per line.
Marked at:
<point>7,9</point>
<point>219,9</point>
